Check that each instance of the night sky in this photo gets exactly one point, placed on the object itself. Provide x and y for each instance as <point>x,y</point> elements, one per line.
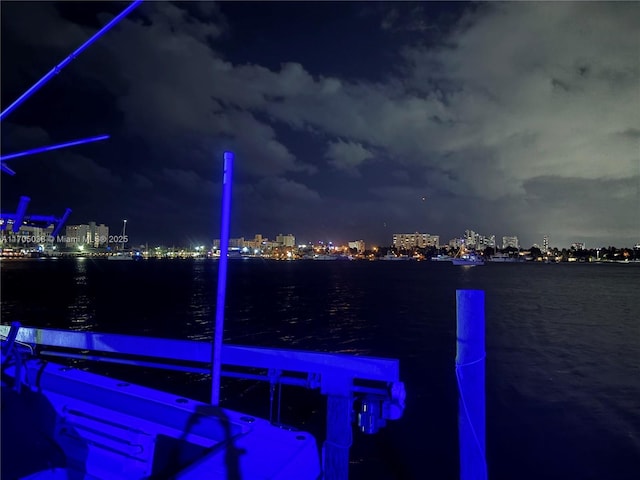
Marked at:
<point>349,120</point>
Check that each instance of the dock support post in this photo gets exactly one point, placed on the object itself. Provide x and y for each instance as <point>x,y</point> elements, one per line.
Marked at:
<point>470,361</point>
<point>339,438</point>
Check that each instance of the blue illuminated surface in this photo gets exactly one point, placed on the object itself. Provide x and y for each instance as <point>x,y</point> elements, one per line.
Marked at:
<point>222,276</point>
<point>6,169</point>
<point>470,368</point>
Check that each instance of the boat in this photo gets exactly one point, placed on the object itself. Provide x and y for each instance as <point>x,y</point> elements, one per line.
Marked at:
<point>441,258</point>
<point>503,258</point>
<point>123,254</point>
<point>468,258</point>
<point>324,257</point>
<point>393,257</point>
<point>62,422</point>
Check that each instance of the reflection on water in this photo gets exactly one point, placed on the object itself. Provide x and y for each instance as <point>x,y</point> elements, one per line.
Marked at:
<point>81,312</point>
<point>201,310</point>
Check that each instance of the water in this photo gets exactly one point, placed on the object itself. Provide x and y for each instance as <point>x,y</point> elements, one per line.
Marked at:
<point>563,348</point>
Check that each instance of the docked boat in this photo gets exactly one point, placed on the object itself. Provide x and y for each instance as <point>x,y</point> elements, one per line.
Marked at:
<point>393,257</point>
<point>468,259</point>
<point>441,258</point>
<point>503,258</point>
<point>121,256</point>
<point>323,257</point>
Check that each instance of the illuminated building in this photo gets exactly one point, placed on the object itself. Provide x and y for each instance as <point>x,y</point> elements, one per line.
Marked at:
<point>411,240</point>
<point>286,240</point>
<point>358,245</point>
<point>510,242</point>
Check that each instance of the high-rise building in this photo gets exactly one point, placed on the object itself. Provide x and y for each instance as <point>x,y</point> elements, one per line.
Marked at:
<point>510,242</point>
<point>456,243</point>
<point>102,235</point>
<point>286,240</point>
<point>78,234</point>
<point>256,243</point>
<point>358,245</point>
<point>92,234</point>
<point>411,240</point>
<point>545,243</point>
<point>28,234</point>
<point>475,240</point>
<point>233,243</point>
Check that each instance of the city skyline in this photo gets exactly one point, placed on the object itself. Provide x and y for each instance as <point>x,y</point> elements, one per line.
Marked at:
<point>349,121</point>
<point>98,235</point>
<point>93,231</point>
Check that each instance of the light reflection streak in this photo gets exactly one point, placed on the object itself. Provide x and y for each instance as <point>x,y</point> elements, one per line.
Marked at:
<point>81,311</point>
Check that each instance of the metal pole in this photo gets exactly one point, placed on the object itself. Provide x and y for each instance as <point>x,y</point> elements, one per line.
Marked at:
<point>216,351</point>
<point>20,213</point>
<point>48,148</point>
<point>61,222</point>
<point>55,70</point>
<point>470,361</point>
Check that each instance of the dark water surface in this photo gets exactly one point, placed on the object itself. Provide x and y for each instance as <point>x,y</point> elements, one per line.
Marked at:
<point>563,348</point>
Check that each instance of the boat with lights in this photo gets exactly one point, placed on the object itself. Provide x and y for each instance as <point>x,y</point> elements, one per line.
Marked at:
<point>466,257</point>
<point>441,258</point>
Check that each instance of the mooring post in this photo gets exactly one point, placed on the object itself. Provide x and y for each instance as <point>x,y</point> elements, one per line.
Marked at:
<point>470,360</point>
<point>339,437</point>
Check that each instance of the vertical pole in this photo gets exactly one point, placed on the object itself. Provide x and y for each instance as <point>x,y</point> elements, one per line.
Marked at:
<point>339,437</point>
<point>470,375</point>
<point>216,350</point>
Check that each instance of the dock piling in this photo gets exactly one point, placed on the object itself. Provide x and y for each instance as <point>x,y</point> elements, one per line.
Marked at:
<point>470,366</point>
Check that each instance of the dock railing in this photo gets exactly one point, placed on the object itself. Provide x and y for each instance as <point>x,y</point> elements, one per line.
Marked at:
<point>371,384</point>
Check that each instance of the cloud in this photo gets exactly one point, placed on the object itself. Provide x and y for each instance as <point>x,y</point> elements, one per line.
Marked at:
<point>541,88</point>
<point>347,156</point>
<point>285,191</point>
<point>603,206</point>
<point>141,182</point>
<point>53,32</point>
<point>17,138</point>
<point>87,172</point>
<point>186,182</point>
<point>171,87</point>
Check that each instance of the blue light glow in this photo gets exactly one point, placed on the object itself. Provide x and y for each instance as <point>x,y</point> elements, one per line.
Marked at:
<point>222,278</point>
<point>6,169</point>
<point>470,361</point>
<point>55,70</point>
<point>48,148</point>
<point>61,222</point>
<point>20,212</point>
